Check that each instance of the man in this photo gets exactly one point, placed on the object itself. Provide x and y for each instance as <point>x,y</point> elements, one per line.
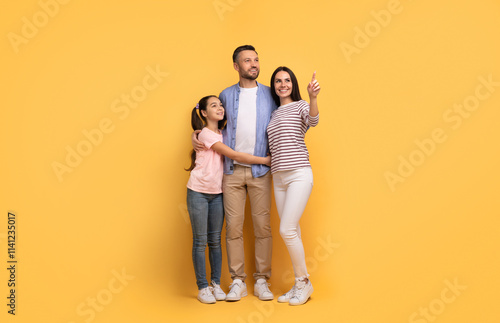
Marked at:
<point>248,106</point>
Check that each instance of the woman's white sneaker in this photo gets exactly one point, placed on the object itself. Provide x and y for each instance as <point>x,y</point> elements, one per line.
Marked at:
<point>238,290</point>
<point>303,291</point>
<point>285,298</point>
<point>205,296</point>
<point>218,292</point>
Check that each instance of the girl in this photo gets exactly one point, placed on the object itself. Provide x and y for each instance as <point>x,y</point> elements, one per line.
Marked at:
<point>292,174</point>
<point>204,193</point>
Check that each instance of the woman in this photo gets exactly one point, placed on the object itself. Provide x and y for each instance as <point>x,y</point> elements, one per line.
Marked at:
<point>204,194</point>
<point>292,174</point>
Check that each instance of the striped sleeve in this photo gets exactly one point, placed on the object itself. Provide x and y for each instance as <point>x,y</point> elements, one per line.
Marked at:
<point>303,108</point>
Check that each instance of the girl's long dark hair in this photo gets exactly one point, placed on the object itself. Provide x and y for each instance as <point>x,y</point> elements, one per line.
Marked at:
<point>295,85</point>
<point>198,122</point>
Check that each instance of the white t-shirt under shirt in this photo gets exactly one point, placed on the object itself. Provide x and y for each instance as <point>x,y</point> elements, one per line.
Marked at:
<point>246,122</point>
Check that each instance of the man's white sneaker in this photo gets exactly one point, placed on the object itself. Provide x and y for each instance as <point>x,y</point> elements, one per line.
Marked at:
<point>302,292</point>
<point>261,289</point>
<point>285,298</point>
<point>218,292</point>
<point>205,296</point>
<point>238,290</point>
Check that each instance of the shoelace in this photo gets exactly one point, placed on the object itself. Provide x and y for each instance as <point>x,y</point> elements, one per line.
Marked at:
<point>233,284</point>
<point>290,293</point>
<point>264,287</point>
<point>206,291</point>
<point>215,288</point>
<point>299,288</point>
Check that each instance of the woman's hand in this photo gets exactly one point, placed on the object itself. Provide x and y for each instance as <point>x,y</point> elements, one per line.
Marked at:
<point>313,87</point>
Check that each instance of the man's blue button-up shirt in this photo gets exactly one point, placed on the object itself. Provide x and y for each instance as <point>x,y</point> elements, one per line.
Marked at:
<point>265,106</point>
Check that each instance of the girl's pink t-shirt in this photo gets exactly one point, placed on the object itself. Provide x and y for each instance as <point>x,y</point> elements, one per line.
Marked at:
<point>206,176</point>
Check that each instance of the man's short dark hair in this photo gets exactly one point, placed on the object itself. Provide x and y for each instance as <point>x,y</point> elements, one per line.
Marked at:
<point>240,49</point>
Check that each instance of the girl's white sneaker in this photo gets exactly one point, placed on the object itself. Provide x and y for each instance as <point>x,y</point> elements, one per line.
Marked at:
<point>218,292</point>
<point>205,296</point>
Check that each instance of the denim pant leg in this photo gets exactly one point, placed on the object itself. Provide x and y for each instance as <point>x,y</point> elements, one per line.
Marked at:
<point>197,204</point>
<point>215,222</point>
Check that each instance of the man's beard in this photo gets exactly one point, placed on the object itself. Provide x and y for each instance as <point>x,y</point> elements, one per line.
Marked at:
<point>249,76</point>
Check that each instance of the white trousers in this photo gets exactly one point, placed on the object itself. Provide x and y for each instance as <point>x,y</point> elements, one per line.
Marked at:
<point>291,192</point>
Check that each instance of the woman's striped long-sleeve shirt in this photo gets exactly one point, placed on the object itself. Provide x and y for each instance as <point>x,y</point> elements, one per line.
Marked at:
<point>286,132</point>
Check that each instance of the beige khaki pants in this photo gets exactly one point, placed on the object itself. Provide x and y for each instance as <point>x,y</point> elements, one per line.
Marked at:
<point>235,189</point>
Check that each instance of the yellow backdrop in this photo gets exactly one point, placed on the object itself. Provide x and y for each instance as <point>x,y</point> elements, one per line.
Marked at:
<point>403,222</point>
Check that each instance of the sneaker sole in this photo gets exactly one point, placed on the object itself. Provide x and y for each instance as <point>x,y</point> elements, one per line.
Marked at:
<point>234,299</point>
<point>270,298</point>
<point>205,302</point>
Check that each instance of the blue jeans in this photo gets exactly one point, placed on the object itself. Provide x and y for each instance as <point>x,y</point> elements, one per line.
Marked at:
<point>206,212</point>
